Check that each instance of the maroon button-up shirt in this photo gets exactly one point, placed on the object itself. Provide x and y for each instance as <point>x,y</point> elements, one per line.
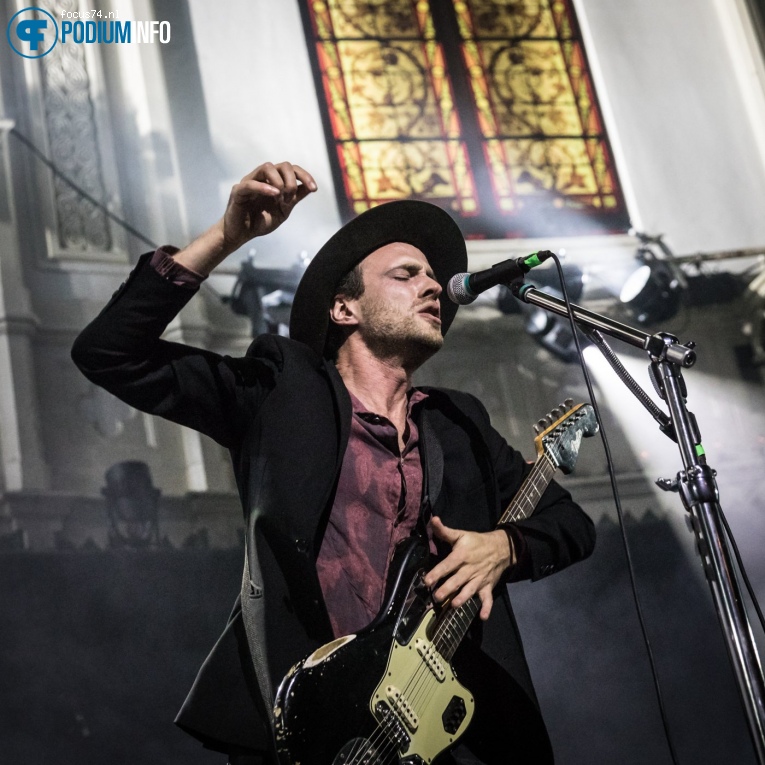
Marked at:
<point>376,506</point>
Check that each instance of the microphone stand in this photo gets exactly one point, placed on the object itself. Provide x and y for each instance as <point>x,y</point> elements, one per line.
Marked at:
<point>695,482</point>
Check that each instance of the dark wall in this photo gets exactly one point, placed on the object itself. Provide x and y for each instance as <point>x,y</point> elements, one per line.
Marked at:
<point>590,666</point>
<point>98,649</point>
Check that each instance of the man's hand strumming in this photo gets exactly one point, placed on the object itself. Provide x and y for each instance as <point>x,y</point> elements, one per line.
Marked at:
<point>474,566</point>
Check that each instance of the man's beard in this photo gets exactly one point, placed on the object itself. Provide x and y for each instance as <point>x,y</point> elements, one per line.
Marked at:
<point>390,334</point>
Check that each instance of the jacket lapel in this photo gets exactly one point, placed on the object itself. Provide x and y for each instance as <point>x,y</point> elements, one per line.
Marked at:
<point>432,459</point>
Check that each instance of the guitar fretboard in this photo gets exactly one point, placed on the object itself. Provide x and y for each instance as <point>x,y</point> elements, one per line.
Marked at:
<point>528,496</point>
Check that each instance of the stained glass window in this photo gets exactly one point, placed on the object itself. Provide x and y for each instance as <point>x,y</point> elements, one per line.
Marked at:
<point>485,107</point>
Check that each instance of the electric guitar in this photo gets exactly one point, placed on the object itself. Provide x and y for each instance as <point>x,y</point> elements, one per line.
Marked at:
<point>389,695</point>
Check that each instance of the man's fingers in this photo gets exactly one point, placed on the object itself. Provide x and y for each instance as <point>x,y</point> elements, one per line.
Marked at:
<point>262,201</point>
<point>444,532</point>
<point>245,191</point>
<point>473,566</point>
<point>290,182</point>
<point>447,566</point>
<point>289,187</point>
<point>303,191</point>
<point>460,588</point>
<point>487,601</point>
<point>268,173</point>
<point>305,177</point>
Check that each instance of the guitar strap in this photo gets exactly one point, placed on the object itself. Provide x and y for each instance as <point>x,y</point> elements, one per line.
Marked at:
<point>432,468</point>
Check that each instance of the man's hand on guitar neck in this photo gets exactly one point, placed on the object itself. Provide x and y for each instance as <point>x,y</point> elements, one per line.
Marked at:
<point>473,567</point>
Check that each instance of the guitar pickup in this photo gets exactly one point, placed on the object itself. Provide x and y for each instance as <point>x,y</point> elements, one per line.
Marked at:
<point>430,657</point>
<point>402,707</point>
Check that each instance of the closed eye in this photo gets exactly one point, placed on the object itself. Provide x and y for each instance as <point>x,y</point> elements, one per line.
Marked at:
<point>402,273</point>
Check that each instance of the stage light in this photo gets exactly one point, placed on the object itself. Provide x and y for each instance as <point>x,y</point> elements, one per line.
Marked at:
<point>265,295</point>
<point>552,332</point>
<point>652,292</point>
<point>657,288</point>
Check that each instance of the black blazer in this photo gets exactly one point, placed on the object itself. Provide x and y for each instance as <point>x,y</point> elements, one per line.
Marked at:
<point>284,415</point>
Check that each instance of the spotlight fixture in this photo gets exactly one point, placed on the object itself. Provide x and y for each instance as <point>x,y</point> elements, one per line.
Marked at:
<point>652,292</point>
<point>265,295</point>
<point>658,287</point>
<point>551,332</point>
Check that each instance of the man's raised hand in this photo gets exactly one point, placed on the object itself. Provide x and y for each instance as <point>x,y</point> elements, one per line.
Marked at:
<point>262,201</point>
<point>257,205</point>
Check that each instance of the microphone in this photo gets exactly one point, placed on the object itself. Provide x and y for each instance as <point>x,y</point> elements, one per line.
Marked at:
<point>463,289</point>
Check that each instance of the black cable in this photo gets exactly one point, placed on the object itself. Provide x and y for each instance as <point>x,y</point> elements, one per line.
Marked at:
<point>204,286</point>
<point>619,513</point>
<point>84,194</point>
<point>741,568</point>
<point>629,381</point>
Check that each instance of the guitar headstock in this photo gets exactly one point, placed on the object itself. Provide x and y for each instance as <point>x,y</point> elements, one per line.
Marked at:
<point>560,433</point>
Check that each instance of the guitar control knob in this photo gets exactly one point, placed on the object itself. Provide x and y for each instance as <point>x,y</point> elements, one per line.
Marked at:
<point>453,715</point>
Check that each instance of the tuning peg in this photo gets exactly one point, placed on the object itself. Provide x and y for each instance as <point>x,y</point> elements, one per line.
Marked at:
<point>569,404</point>
<point>556,413</point>
<point>540,426</point>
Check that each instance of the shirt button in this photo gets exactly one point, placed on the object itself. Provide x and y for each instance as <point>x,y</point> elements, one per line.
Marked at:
<point>301,546</point>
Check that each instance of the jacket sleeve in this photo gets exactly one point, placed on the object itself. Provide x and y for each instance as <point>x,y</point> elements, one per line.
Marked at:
<point>558,533</point>
<point>121,351</point>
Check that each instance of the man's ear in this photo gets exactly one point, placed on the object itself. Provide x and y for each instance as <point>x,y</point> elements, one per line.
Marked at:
<point>343,311</point>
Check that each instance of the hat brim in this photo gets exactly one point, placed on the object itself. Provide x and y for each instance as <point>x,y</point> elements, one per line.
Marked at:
<point>421,224</point>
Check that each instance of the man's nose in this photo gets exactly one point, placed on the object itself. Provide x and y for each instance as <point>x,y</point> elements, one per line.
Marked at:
<point>432,287</point>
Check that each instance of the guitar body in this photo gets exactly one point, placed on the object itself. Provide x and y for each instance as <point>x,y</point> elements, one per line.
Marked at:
<point>386,697</point>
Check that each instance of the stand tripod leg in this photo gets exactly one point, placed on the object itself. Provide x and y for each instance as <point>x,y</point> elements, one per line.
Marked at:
<point>734,621</point>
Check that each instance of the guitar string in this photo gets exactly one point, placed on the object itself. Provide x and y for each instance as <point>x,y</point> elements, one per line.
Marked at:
<point>453,639</point>
<point>454,624</point>
<point>535,483</point>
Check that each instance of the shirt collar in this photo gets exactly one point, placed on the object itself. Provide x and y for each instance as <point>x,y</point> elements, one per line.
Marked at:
<point>415,396</point>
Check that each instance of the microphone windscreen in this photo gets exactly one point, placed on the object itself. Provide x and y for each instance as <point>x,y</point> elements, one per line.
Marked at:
<point>458,291</point>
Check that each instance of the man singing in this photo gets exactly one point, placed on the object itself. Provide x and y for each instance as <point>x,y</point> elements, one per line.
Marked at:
<point>338,458</point>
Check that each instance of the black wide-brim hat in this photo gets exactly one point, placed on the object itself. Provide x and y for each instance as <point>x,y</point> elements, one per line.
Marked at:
<point>421,224</point>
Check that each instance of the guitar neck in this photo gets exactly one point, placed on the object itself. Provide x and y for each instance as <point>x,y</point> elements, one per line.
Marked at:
<point>528,496</point>
<point>455,622</point>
